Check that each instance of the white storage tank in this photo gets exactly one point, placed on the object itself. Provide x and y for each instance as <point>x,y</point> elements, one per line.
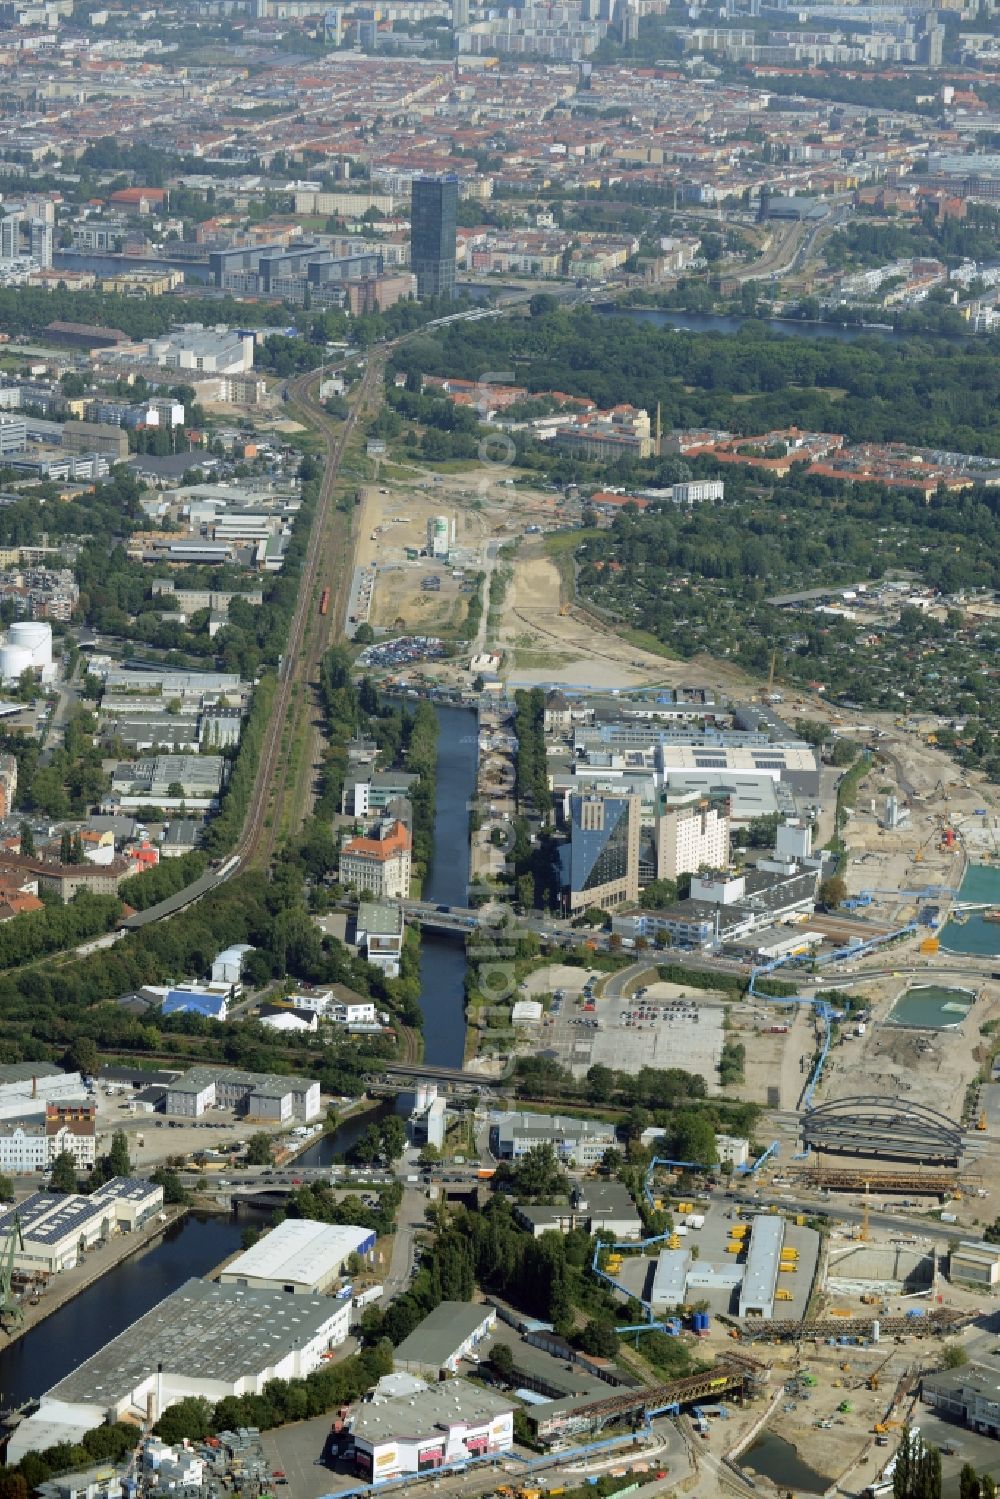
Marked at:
<point>26,646</point>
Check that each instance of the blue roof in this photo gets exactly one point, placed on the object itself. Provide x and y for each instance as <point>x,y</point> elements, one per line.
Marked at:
<point>193,1002</point>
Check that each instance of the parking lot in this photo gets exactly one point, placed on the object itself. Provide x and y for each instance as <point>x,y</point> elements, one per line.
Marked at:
<point>661,1026</point>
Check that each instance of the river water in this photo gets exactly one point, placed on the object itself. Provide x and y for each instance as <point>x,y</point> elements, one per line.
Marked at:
<point>191,1247</point>
<point>711,322</point>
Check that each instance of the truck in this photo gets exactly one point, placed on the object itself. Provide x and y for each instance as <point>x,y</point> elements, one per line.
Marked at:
<point>367,1296</point>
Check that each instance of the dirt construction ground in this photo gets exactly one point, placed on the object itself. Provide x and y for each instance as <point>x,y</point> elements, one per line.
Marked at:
<point>547,640</point>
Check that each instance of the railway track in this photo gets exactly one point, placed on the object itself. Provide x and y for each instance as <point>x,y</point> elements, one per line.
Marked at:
<point>305,645</point>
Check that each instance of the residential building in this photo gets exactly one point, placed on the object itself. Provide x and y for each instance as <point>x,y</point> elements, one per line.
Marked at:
<point>379,864</point>
<point>600,863</point>
<point>430,1427</point>
<point>582,1141</point>
<point>96,437</point>
<point>433,216</point>
<point>691,832</point>
<point>8,784</point>
<point>31,1142</point>
<point>299,1257</point>
<point>446,1335</point>
<point>379,935</point>
<point>558,715</point>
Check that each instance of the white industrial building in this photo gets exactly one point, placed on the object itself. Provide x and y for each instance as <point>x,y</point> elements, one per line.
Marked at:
<point>760,1273</point>
<point>227,968</point>
<point>430,1428</point>
<point>26,1088</point>
<point>57,1229</point>
<point>27,646</point>
<point>299,1257</point>
<point>427,1122</point>
<point>205,1340</point>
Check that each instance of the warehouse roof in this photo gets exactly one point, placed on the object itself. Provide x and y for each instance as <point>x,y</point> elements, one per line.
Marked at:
<point>761,1272</point>
<point>456,1402</point>
<point>443,1330</point>
<point>203,1330</point>
<point>301,1252</point>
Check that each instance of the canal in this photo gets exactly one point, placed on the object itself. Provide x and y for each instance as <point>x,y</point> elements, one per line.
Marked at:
<point>198,1242</point>
<point>47,1352</point>
<point>442,959</point>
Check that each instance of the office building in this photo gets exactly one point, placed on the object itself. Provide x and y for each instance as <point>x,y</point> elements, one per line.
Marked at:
<point>582,1141</point>
<point>252,1095</point>
<point>433,217</point>
<point>379,865</point>
<point>459,14</point>
<point>299,1257</point>
<point>40,242</point>
<point>379,935</point>
<point>599,865</point>
<point>429,1428</point>
<point>691,832</point>
<point>205,1340</point>
<point>10,236</point>
<point>446,1335</point>
<point>598,1207</point>
<point>970,1395</point>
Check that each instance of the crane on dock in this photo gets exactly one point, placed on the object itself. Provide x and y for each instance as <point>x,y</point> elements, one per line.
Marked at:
<point>11,1310</point>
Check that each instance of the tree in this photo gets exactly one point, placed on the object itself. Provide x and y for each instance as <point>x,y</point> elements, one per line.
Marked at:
<point>62,1177</point>
<point>692,1138</point>
<point>538,1173</point>
<point>82,1056</point>
<point>174,1190</point>
<point>599,1338</point>
<point>954,1356</point>
<point>258,1151</point>
<point>118,1156</point>
<point>6,1189</point>
<point>27,840</point>
<point>364,634</point>
<point>968,1483</point>
<point>502,1360</point>
<point>833,892</point>
<point>392,1135</point>
<point>190,1418</point>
